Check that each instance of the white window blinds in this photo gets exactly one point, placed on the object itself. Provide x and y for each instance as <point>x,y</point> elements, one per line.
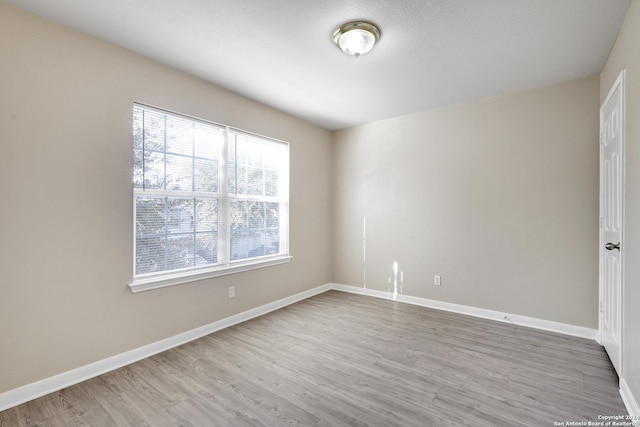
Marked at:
<point>205,196</point>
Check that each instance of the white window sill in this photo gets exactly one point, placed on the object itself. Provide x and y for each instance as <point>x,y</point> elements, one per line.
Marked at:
<point>177,278</point>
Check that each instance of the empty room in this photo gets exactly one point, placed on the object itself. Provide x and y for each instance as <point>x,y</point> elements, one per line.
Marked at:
<point>327,213</point>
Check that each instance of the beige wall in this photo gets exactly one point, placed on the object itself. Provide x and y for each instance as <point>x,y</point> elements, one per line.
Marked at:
<point>626,55</point>
<point>499,197</point>
<point>66,202</point>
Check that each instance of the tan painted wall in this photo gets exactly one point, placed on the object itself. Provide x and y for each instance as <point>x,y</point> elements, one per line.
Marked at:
<point>626,55</point>
<point>66,202</point>
<point>499,197</point>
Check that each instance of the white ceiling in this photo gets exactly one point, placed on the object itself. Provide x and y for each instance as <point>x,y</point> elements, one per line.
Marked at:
<point>432,53</point>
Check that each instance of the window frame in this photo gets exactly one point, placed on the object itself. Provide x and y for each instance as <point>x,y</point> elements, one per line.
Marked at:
<point>226,265</point>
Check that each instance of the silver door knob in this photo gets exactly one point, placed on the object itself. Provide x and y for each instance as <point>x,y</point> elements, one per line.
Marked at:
<point>612,246</point>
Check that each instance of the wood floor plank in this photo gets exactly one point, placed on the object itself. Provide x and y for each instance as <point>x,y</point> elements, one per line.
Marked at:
<point>339,359</point>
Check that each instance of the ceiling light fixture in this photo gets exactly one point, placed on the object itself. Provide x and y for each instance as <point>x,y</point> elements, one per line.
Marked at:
<point>356,38</point>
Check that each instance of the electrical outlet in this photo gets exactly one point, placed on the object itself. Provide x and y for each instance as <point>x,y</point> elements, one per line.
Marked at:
<point>436,280</point>
<point>232,291</point>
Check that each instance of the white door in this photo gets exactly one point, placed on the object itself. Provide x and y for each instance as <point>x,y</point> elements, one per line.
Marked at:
<point>611,217</point>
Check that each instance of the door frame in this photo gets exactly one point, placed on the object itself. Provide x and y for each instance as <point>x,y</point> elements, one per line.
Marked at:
<point>619,82</point>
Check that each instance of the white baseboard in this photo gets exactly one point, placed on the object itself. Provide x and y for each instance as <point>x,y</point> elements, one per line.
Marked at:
<point>32,391</point>
<point>630,402</point>
<point>546,325</point>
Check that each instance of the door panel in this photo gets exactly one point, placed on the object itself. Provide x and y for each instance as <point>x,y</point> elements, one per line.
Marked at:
<point>611,222</point>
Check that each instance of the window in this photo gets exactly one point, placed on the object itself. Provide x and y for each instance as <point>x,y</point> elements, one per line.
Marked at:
<point>208,199</point>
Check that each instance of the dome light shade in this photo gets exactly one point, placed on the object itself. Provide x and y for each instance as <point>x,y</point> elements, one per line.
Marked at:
<point>356,38</point>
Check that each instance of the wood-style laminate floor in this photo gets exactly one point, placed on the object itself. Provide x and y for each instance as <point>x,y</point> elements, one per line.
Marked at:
<point>340,359</point>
